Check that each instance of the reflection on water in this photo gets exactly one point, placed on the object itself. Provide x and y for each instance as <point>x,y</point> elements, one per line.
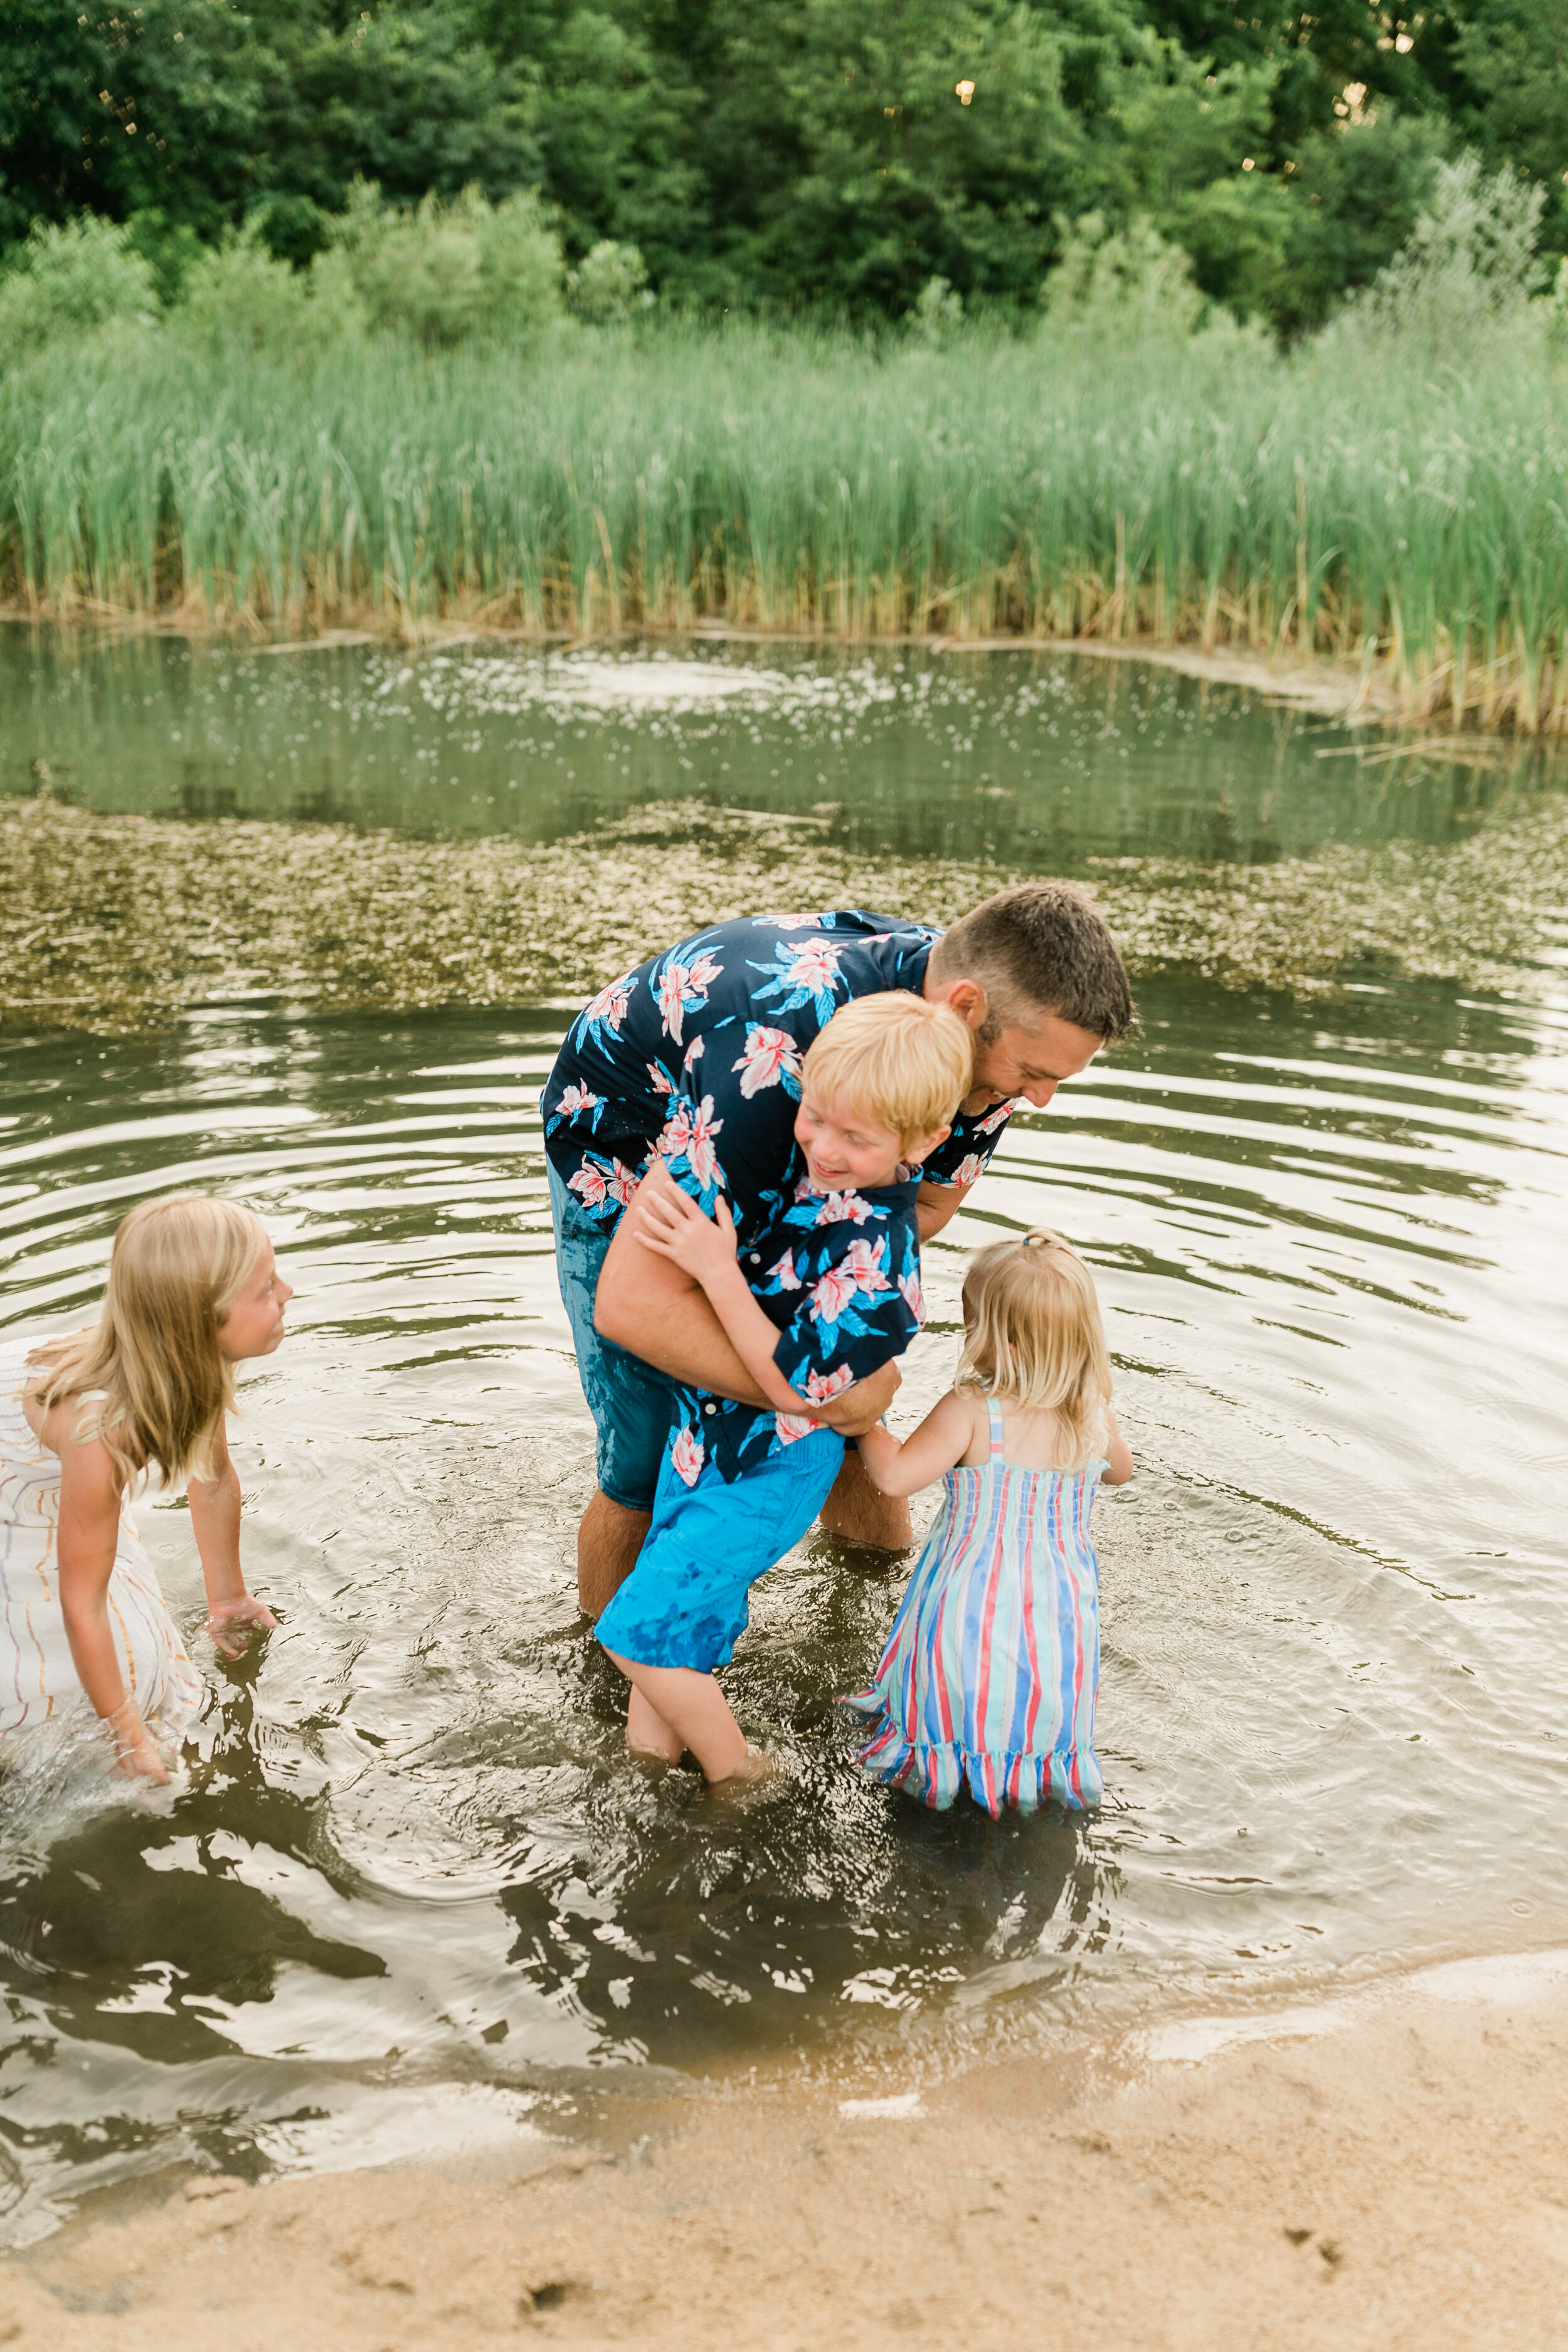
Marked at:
<point>410,1855</point>
<point>1035,760</point>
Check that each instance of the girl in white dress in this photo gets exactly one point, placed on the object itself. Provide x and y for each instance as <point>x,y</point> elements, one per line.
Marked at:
<point>192,1290</point>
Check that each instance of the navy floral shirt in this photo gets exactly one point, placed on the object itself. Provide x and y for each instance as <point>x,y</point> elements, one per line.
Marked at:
<point>725,1020</point>
<point>839,1273</point>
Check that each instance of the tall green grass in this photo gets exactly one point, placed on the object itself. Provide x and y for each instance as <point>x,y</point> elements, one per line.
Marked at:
<point>1196,489</point>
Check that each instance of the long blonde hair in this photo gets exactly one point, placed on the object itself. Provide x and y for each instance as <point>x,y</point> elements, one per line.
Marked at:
<point>152,1355</point>
<point>1033,1337</point>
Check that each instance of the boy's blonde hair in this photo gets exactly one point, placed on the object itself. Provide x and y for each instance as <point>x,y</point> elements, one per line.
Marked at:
<point>176,1269</point>
<point>902,1061</point>
<point>1033,1337</point>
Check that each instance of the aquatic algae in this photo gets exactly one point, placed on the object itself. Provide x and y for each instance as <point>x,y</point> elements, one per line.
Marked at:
<point>117,925</point>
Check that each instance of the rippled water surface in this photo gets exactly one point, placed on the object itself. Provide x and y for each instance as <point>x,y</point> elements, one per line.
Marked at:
<point>411,1895</point>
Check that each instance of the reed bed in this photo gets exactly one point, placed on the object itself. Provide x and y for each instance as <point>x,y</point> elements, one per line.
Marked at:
<point>1406,519</point>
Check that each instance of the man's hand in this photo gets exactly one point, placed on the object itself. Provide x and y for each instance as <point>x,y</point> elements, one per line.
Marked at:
<point>862,1406</point>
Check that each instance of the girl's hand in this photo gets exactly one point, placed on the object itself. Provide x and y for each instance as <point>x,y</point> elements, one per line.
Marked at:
<point>231,1621</point>
<point>138,1759</point>
<point>673,1226</point>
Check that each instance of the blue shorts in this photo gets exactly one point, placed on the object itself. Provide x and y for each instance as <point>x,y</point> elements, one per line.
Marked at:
<point>684,1603</point>
<point>632,1405</point>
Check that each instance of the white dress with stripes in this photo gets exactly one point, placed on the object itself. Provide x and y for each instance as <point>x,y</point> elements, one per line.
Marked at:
<point>992,1668</point>
<point>38,1674</point>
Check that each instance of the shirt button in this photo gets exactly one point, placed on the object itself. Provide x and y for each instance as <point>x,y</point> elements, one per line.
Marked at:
<point>709,1408</point>
<point>756,1257</point>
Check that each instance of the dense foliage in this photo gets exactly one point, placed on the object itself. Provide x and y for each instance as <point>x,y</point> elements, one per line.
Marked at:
<point>793,155</point>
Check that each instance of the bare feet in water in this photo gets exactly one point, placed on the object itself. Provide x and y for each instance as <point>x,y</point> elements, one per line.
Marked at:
<point>759,1770</point>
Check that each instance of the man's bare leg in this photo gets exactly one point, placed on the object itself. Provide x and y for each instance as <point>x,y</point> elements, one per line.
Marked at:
<point>608,1542</point>
<point>857,1512</point>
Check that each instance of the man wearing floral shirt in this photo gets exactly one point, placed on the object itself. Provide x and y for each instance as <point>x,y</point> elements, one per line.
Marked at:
<point>714,1031</point>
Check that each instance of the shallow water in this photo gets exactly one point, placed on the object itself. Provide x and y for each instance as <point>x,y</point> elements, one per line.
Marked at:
<point>1038,760</point>
<point>410,1897</point>
<point>409,1851</point>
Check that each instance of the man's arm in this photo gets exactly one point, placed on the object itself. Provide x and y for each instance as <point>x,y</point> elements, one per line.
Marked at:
<point>647,1305</point>
<point>935,1204</point>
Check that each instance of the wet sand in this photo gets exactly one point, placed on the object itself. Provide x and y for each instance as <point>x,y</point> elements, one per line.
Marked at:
<point>1390,2172</point>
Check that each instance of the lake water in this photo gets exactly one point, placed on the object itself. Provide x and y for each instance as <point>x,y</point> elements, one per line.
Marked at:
<point>411,1897</point>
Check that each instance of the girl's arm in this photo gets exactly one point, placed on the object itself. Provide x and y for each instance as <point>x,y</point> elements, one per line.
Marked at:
<point>673,1226</point>
<point>1119,1454</point>
<point>84,1549</point>
<point>941,1439</point>
<point>214,1521</point>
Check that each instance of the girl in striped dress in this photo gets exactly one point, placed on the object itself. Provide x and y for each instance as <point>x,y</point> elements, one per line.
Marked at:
<point>991,1670</point>
<point>84,1630</point>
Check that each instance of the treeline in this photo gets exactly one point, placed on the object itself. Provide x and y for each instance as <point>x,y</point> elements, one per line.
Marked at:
<point>835,158</point>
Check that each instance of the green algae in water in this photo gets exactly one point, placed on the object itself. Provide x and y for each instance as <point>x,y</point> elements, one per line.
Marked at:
<point>119,925</point>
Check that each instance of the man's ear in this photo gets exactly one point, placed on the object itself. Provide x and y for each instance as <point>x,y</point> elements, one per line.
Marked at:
<point>967,998</point>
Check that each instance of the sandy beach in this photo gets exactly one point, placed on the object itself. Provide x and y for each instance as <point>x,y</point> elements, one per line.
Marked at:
<point>1390,2170</point>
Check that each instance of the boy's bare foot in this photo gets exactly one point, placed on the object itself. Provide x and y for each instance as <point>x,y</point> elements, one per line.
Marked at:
<point>757,1770</point>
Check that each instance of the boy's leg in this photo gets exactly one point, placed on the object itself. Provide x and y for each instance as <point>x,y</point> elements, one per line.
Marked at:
<point>696,1711</point>
<point>647,1734</point>
<point>685,1605</point>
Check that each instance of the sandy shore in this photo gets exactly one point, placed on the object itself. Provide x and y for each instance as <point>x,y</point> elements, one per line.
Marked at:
<point>1390,2172</point>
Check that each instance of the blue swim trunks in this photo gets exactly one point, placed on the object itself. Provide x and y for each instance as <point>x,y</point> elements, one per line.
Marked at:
<point>632,1405</point>
<point>684,1603</point>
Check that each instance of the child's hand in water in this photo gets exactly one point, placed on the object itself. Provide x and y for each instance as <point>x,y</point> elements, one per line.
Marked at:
<point>673,1224</point>
<point>231,1621</point>
<point>137,1756</point>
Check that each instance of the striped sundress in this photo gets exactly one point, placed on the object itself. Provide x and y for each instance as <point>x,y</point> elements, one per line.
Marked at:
<point>992,1667</point>
<point>38,1674</point>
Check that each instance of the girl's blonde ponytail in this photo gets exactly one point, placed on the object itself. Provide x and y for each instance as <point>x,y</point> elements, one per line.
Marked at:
<point>1034,1338</point>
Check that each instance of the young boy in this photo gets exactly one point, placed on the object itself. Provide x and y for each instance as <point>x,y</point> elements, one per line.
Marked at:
<point>830,1293</point>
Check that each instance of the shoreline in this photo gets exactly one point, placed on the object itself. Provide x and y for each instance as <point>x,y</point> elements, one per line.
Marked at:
<point>1381,2171</point>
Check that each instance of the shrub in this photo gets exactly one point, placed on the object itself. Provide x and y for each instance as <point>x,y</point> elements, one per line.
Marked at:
<point>239,297</point>
<point>609,284</point>
<point>1468,271</point>
<point>937,316</point>
<point>1131,285</point>
<point>447,272</point>
<point>71,280</point>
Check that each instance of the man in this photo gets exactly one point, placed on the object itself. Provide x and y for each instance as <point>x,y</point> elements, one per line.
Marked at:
<point>714,1030</point>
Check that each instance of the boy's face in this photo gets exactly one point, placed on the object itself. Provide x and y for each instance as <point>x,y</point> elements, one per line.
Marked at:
<point>845,1148</point>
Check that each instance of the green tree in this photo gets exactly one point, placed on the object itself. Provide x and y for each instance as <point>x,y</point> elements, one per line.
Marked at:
<point>404,95</point>
<point>1500,68</point>
<point>152,108</point>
